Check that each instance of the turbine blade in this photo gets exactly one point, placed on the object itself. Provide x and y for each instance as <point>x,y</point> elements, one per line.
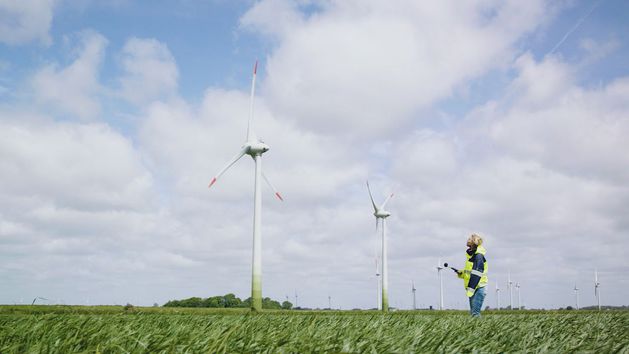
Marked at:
<point>229,164</point>
<point>375,208</point>
<point>250,133</point>
<point>277,194</point>
<point>387,200</point>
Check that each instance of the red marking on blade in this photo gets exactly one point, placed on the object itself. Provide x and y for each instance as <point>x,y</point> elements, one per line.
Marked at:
<point>279,196</point>
<point>213,181</point>
<point>255,68</point>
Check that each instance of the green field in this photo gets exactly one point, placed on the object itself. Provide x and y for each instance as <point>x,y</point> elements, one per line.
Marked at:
<point>111,329</point>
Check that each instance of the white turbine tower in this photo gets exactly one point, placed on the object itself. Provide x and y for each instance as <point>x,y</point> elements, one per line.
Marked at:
<point>253,147</point>
<point>576,296</point>
<point>510,285</point>
<point>380,213</point>
<point>378,292</point>
<point>439,268</point>
<point>413,290</point>
<point>517,286</point>
<point>597,291</point>
<point>497,296</point>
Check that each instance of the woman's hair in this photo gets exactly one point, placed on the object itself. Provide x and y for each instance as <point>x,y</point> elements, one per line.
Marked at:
<point>476,239</point>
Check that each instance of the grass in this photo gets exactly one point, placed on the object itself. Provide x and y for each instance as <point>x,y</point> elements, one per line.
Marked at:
<point>111,329</point>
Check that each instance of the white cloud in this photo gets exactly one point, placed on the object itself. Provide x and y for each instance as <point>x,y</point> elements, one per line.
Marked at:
<point>368,67</point>
<point>74,88</point>
<point>25,20</point>
<point>575,130</point>
<point>150,71</point>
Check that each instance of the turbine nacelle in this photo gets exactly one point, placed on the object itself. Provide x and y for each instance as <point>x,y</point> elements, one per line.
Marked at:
<point>383,214</point>
<point>255,148</point>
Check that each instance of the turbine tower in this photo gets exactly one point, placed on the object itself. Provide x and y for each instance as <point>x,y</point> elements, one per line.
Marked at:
<point>413,290</point>
<point>439,268</point>
<point>378,291</point>
<point>253,147</point>
<point>517,286</point>
<point>576,296</point>
<point>380,213</point>
<point>597,291</point>
<point>510,286</point>
<point>497,296</point>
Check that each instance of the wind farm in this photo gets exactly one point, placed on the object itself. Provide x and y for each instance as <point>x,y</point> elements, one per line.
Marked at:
<point>133,221</point>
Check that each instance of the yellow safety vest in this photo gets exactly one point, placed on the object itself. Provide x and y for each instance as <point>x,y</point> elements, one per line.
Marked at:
<point>468,271</point>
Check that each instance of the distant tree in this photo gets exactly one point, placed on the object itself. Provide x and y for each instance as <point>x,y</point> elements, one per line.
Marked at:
<point>286,305</point>
<point>569,308</point>
<point>230,300</point>
<point>268,303</point>
<point>155,304</point>
<point>129,308</point>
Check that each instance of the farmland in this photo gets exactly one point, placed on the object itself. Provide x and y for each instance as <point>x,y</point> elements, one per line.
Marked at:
<point>111,329</point>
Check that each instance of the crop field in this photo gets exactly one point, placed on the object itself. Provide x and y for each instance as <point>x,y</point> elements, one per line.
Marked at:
<point>68,329</point>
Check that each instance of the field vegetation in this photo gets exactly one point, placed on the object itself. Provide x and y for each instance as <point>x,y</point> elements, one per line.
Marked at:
<point>118,329</point>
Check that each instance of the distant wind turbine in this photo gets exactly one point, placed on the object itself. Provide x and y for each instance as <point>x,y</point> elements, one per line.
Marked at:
<point>380,213</point>
<point>510,284</point>
<point>40,298</point>
<point>253,147</point>
<point>597,291</point>
<point>497,296</point>
<point>414,290</point>
<point>576,296</point>
<point>517,286</point>
<point>439,268</point>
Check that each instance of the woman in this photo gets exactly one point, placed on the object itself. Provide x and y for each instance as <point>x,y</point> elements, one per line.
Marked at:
<point>475,274</point>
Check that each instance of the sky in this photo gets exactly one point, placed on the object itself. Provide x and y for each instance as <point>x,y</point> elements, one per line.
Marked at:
<point>505,118</point>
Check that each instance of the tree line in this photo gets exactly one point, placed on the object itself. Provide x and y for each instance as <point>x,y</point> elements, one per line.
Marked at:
<point>228,301</point>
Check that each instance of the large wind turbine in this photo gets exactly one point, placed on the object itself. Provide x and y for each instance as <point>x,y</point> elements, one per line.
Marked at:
<point>439,268</point>
<point>253,147</point>
<point>576,296</point>
<point>597,291</point>
<point>380,213</point>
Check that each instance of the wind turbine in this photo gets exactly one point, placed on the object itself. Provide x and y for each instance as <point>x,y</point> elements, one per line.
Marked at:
<point>329,302</point>
<point>413,290</point>
<point>497,296</point>
<point>597,291</point>
<point>510,284</point>
<point>253,147</point>
<point>517,286</point>
<point>439,268</point>
<point>38,297</point>
<point>576,296</point>
<point>380,213</point>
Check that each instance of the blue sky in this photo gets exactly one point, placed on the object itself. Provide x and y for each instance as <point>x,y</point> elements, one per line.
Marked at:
<point>115,115</point>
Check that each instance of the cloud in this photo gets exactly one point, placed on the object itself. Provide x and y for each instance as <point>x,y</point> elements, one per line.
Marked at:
<point>73,89</point>
<point>592,123</point>
<point>368,68</point>
<point>150,71</point>
<point>25,21</point>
